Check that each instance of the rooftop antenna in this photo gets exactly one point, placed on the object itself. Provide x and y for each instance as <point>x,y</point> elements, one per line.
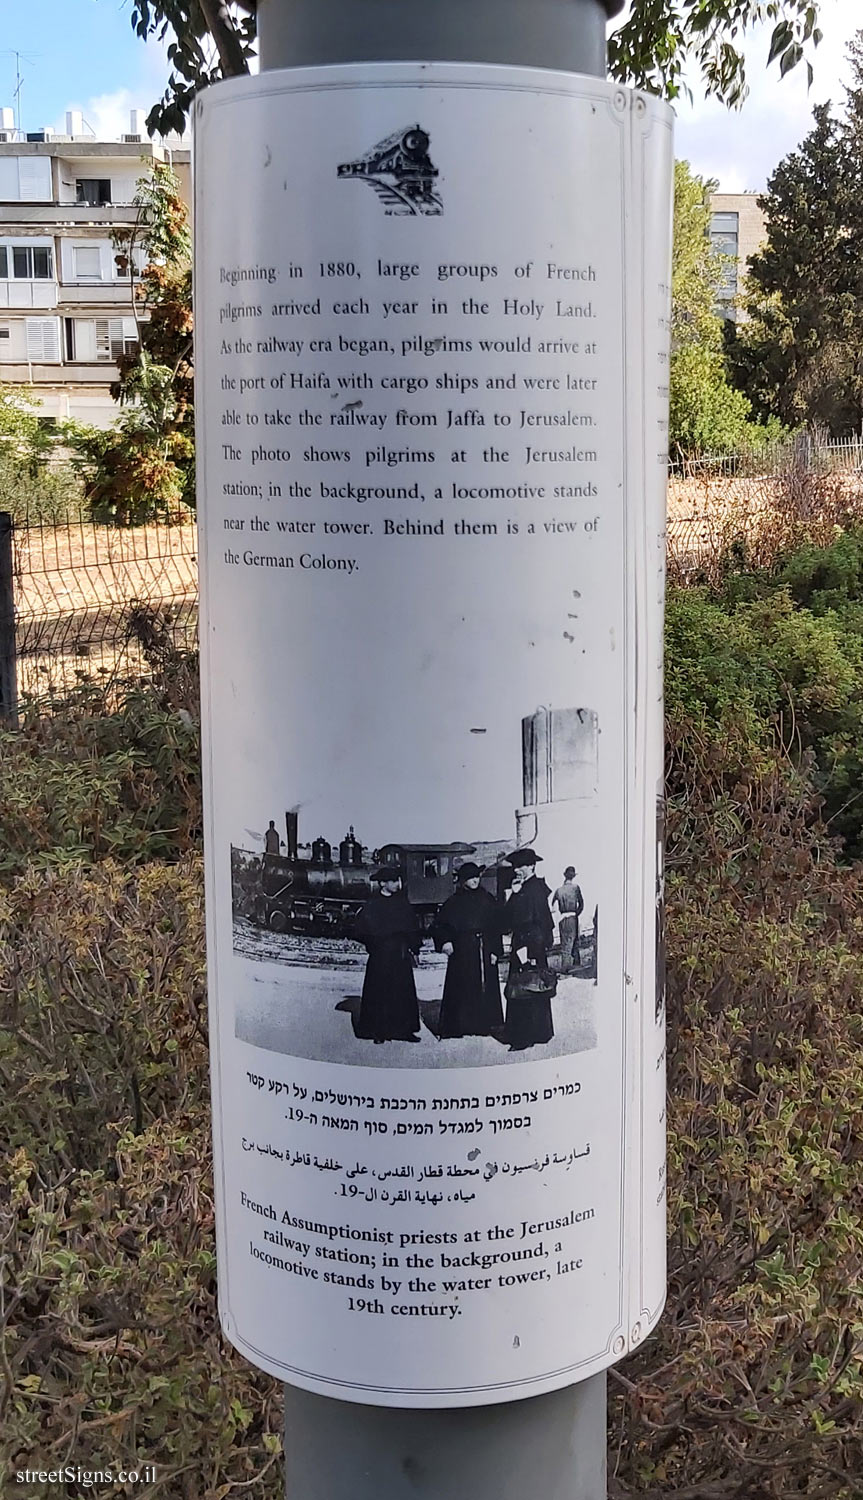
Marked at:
<point>19,82</point>
<point>17,94</point>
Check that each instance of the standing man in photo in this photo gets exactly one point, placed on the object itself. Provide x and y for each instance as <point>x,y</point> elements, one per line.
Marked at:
<point>528,917</point>
<point>389,930</point>
<point>468,930</point>
<point>570,904</point>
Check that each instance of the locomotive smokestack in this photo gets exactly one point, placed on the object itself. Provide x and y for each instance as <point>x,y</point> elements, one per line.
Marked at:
<point>292,825</point>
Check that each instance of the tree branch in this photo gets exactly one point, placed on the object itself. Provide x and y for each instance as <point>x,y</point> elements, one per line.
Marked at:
<point>224,33</point>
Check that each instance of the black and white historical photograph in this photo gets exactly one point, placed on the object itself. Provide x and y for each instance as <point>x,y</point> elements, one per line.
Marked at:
<point>364,944</point>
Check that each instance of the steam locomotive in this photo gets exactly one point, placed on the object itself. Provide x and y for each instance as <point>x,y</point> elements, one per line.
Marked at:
<point>400,170</point>
<point>323,895</point>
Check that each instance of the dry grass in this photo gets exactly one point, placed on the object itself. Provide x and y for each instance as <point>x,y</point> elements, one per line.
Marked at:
<point>714,520</point>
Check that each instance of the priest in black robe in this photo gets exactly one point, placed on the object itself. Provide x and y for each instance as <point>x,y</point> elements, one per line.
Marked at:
<point>468,930</point>
<point>389,929</point>
<point>527,915</point>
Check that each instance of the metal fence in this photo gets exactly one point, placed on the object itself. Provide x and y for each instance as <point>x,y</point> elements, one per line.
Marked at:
<point>86,602</point>
<point>804,451</point>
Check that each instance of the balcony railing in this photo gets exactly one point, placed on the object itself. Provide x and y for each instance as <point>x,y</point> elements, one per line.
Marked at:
<point>76,214</point>
<point>72,372</point>
<point>95,293</point>
<point>24,294</point>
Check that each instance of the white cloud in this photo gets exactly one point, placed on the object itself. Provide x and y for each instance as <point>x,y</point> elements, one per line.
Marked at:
<point>107,115</point>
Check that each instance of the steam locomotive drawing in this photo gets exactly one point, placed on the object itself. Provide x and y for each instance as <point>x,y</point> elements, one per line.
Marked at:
<point>323,893</point>
<point>400,171</point>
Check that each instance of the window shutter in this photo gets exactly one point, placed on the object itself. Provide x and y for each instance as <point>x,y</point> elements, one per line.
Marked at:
<point>9,180</point>
<point>88,262</point>
<point>116,337</point>
<point>43,340</point>
<point>34,179</point>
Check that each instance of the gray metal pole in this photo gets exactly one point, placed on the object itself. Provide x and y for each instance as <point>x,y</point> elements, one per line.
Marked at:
<point>8,669</point>
<point>555,1445</point>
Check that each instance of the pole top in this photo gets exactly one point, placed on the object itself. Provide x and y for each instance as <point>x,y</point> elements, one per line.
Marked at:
<point>563,34</point>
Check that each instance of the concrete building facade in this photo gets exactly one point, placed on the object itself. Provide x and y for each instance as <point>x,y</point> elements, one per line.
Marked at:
<point>736,229</point>
<point>66,312</point>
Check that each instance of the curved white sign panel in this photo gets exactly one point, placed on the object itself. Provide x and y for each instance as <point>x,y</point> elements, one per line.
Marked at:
<point>432,340</point>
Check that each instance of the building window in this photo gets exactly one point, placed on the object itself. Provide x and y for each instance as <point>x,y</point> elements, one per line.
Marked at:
<point>115,337</point>
<point>87,263</point>
<point>724,241</point>
<point>93,190</point>
<point>25,262</point>
<point>140,259</point>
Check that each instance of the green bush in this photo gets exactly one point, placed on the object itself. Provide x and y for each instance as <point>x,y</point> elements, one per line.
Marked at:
<point>35,494</point>
<point>112,1344</point>
<point>752,1386</point>
<point>93,778</point>
<point>102,1015</point>
<point>777,657</point>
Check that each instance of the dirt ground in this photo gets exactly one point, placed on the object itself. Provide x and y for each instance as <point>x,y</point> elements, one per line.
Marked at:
<point>299,995</point>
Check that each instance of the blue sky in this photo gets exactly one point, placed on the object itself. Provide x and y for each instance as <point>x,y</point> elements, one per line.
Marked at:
<point>83,54</point>
<point>77,54</point>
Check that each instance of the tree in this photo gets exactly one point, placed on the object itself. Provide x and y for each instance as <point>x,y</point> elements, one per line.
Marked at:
<point>144,465</point>
<point>31,489</point>
<point>650,50</point>
<point>800,354</point>
<point>661,36</point>
<point>705,413</point>
<point>159,375</point>
<point>228,25</point>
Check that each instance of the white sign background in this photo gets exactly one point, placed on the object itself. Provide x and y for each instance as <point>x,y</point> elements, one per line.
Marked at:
<point>371,1200</point>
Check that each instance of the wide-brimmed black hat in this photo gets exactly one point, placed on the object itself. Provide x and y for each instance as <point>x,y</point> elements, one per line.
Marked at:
<point>521,857</point>
<point>387,872</point>
<point>469,871</point>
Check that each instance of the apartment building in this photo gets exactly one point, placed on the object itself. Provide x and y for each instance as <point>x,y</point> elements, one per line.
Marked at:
<point>736,230</point>
<point>66,313</point>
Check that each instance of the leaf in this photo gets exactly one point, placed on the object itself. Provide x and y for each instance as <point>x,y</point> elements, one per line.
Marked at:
<point>782,35</point>
<point>790,59</point>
